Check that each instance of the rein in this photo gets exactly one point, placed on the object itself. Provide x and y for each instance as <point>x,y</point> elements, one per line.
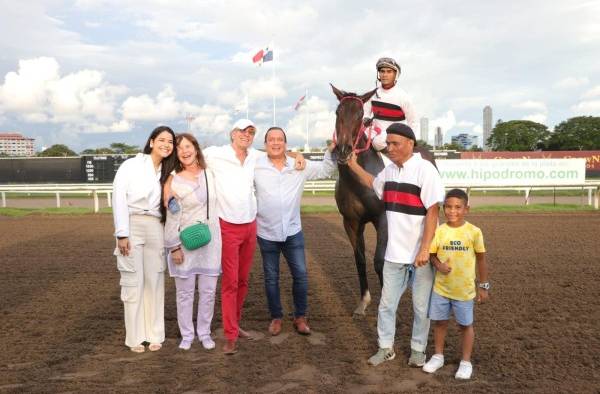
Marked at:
<point>355,148</point>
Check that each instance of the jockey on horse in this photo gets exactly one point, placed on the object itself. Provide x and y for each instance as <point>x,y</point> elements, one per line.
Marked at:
<point>390,104</point>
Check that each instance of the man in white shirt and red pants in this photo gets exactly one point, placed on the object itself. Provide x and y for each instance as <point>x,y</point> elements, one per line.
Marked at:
<point>233,167</point>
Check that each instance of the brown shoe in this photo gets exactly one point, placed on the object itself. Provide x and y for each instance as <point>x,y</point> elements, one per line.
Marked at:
<point>230,347</point>
<point>245,334</point>
<point>275,327</point>
<point>301,325</point>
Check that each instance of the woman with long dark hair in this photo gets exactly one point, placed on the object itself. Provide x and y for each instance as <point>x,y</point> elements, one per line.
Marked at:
<point>193,191</point>
<point>138,215</point>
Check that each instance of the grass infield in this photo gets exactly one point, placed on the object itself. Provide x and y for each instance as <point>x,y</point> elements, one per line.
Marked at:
<point>316,209</point>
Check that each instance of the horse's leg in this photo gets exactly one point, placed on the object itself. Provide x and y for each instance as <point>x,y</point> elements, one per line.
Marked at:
<point>355,230</point>
<point>382,236</point>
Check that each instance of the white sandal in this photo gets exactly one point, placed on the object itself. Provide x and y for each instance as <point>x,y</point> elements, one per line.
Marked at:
<point>155,347</point>
<point>138,349</point>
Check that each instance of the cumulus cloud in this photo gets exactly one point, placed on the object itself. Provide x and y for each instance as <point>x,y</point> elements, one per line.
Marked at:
<point>321,123</point>
<point>532,105</point>
<point>537,117</point>
<point>593,92</point>
<point>146,108</point>
<point>37,93</point>
<point>446,122</point>
<point>571,82</point>
<point>587,108</point>
<point>263,88</point>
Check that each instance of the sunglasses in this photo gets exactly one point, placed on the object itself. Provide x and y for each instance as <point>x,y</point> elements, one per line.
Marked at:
<point>248,130</point>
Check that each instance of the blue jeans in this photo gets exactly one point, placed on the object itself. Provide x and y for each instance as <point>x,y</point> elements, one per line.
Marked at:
<point>396,279</point>
<point>293,251</point>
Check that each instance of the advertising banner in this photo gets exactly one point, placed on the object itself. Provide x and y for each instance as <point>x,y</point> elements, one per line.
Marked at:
<point>592,157</point>
<point>512,172</point>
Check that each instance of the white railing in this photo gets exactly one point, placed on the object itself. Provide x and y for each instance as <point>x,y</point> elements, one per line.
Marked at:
<point>325,185</point>
<point>57,189</point>
<point>592,188</point>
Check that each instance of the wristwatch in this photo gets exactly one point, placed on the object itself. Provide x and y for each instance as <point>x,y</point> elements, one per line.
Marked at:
<point>484,285</point>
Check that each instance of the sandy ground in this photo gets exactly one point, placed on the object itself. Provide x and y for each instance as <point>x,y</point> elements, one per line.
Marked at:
<point>62,323</point>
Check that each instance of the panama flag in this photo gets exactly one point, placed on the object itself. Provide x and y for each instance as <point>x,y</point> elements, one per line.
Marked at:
<point>299,103</point>
<point>262,56</point>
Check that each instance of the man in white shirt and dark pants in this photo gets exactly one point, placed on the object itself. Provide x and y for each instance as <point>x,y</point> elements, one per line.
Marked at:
<point>279,189</point>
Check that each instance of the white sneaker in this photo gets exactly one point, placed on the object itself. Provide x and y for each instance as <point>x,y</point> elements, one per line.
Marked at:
<point>208,343</point>
<point>381,356</point>
<point>185,344</point>
<point>435,362</point>
<point>465,369</point>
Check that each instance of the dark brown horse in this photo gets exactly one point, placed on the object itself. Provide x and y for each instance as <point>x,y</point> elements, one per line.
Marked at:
<point>358,204</point>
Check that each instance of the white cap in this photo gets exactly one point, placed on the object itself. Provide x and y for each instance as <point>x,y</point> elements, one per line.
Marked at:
<point>242,124</point>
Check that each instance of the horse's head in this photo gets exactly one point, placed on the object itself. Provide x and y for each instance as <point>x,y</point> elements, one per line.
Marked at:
<point>349,120</point>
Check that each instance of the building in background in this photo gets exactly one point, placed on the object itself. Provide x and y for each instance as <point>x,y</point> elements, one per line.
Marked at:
<point>487,126</point>
<point>15,144</point>
<point>465,141</point>
<point>424,129</point>
<point>439,138</point>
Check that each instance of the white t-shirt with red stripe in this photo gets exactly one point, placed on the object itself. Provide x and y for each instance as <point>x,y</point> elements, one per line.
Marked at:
<point>407,192</point>
<point>389,106</point>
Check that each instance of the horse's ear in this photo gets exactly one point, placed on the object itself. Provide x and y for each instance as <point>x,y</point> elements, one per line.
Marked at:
<point>338,93</point>
<point>367,96</point>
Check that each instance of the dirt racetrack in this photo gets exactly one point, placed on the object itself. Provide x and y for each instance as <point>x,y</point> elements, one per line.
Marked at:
<point>62,323</point>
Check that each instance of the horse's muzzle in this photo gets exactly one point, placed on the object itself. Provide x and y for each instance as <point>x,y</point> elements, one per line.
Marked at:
<point>343,154</point>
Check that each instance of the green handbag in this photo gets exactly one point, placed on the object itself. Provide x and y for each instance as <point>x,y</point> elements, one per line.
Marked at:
<point>197,235</point>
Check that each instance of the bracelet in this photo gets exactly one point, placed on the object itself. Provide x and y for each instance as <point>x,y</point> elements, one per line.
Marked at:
<point>176,249</point>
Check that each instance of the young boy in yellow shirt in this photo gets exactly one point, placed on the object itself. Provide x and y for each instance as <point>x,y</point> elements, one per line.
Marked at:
<point>457,250</point>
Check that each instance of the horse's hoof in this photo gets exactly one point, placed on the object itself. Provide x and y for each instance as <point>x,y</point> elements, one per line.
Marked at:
<point>358,314</point>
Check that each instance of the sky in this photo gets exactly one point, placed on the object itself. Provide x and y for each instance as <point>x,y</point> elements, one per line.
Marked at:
<point>87,73</point>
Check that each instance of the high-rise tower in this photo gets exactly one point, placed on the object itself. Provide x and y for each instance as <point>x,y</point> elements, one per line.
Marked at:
<point>487,126</point>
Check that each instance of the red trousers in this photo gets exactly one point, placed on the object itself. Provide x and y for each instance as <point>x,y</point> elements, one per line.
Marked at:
<point>239,243</point>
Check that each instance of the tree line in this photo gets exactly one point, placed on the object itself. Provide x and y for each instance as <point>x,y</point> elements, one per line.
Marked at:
<point>578,133</point>
<point>117,148</point>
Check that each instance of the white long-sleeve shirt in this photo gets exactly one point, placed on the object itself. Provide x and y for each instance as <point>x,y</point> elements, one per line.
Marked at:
<point>279,193</point>
<point>389,106</point>
<point>234,182</point>
<point>136,191</point>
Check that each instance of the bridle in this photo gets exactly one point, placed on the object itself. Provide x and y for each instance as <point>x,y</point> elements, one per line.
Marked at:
<point>355,148</point>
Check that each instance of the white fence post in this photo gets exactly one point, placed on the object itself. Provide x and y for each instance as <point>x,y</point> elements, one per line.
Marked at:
<point>96,202</point>
<point>108,200</point>
<point>57,199</point>
<point>3,199</point>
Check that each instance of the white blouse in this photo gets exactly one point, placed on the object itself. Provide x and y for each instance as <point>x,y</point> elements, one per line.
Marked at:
<point>136,191</point>
<point>191,196</point>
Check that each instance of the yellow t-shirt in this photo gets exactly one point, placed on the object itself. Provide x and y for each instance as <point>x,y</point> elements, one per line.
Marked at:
<point>459,244</point>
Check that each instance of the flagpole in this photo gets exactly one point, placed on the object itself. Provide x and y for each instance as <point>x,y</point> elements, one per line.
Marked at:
<point>306,98</point>
<point>273,77</point>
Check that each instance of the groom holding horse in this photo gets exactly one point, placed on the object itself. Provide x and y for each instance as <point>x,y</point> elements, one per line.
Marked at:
<point>411,189</point>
